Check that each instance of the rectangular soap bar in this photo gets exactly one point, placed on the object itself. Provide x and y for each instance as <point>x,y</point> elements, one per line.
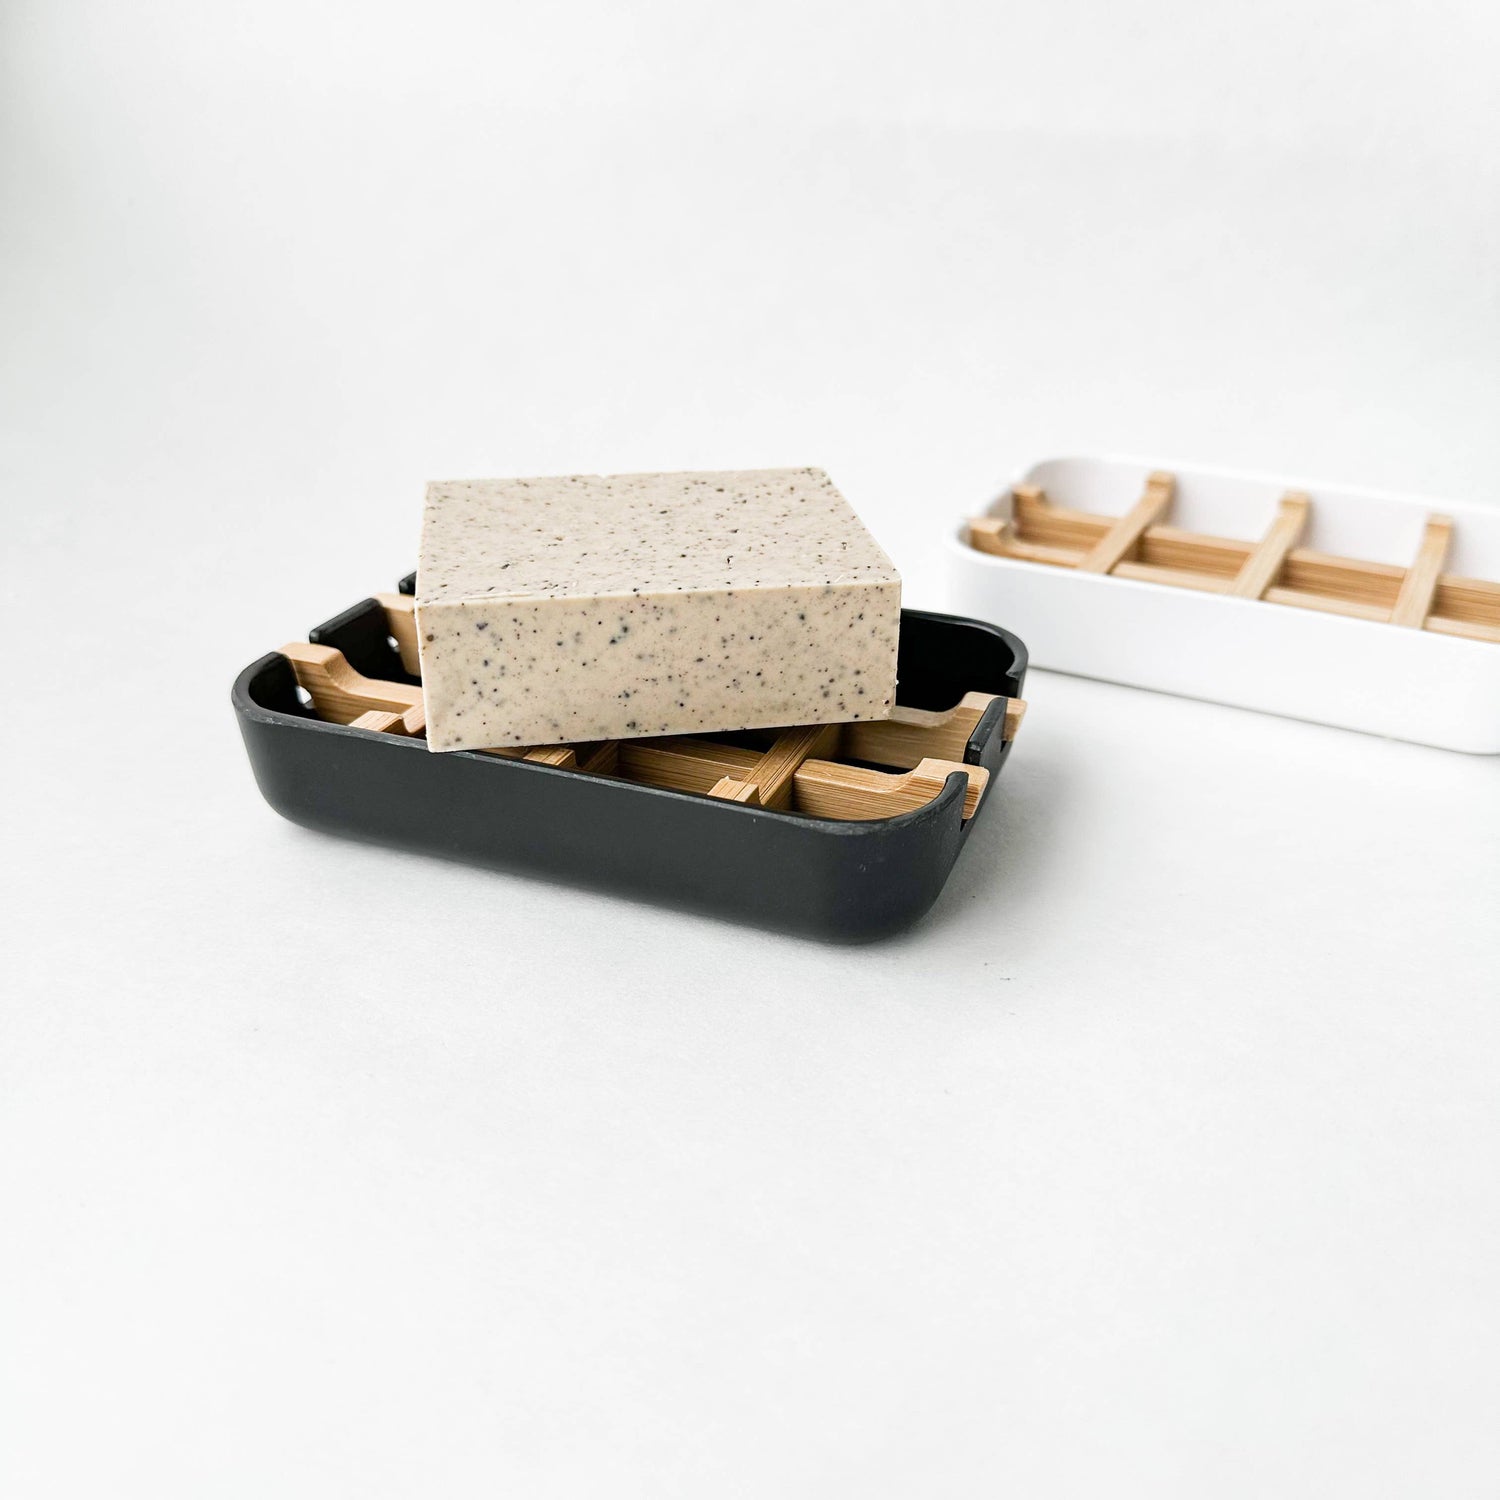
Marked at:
<point>592,607</point>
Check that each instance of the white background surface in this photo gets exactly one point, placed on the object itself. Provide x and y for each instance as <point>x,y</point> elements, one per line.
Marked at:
<point>1161,1160</point>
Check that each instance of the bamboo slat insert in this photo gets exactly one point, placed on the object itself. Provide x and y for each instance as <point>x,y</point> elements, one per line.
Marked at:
<point>768,783</point>
<point>602,759</point>
<point>914,734</point>
<point>1259,571</point>
<point>341,693</point>
<point>1420,597</point>
<point>797,771</point>
<point>1207,583</point>
<point>1414,602</point>
<point>1125,534</point>
<point>1470,629</point>
<point>377,721</point>
<point>1328,604</point>
<point>554,755</point>
<point>821,787</point>
<point>599,758</point>
<point>827,790</point>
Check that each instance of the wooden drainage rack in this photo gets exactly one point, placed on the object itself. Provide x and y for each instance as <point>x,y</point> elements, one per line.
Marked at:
<point>803,770</point>
<point>1274,569</point>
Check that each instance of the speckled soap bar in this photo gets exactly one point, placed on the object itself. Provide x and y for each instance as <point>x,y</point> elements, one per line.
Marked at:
<point>558,611</point>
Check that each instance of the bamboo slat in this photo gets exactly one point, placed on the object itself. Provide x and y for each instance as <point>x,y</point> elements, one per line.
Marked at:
<point>1273,570</point>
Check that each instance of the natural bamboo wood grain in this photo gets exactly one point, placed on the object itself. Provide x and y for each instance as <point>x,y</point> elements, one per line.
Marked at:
<point>1261,569</point>
<point>340,692</point>
<point>998,537</point>
<point>683,765</point>
<point>989,533</point>
<point>822,788</point>
<point>1039,521</point>
<point>910,735</point>
<point>598,759</point>
<point>1467,599</point>
<point>1470,629</point>
<point>401,623</point>
<point>794,772</point>
<point>1207,583</point>
<point>730,789</point>
<point>1058,536</point>
<point>377,721</point>
<point>827,790</point>
<point>1352,578</point>
<point>344,696</point>
<point>1125,534</point>
<point>1328,604</point>
<point>1171,547</point>
<point>1333,604</point>
<point>914,734</point>
<point>768,783</point>
<point>1414,602</point>
<point>601,759</point>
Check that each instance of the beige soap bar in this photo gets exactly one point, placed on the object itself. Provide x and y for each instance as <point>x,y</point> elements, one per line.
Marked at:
<point>592,607</point>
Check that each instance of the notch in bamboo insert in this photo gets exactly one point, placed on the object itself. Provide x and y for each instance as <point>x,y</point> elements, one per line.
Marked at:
<point>913,734</point>
<point>343,695</point>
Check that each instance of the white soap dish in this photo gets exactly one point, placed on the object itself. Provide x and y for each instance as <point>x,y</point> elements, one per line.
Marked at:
<point>1366,611</point>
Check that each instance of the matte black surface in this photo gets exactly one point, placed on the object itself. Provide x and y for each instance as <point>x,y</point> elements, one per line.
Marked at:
<point>362,635</point>
<point>848,881</point>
